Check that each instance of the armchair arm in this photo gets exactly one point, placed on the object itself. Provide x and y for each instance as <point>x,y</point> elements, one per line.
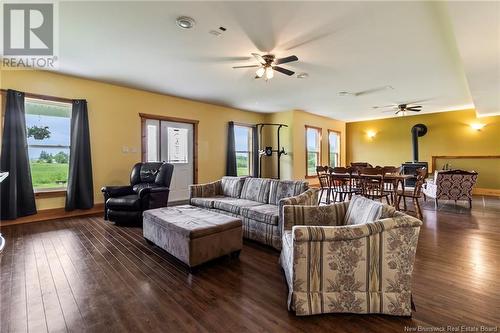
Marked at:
<point>117,191</point>
<point>205,190</point>
<point>331,215</point>
<point>150,190</point>
<point>308,198</point>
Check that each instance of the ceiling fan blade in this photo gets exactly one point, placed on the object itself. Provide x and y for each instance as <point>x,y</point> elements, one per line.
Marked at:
<point>418,101</point>
<point>392,110</point>
<point>285,60</point>
<point>383,107</point>
<point>249,66</point>
<point>414,110</point>
<point>259,58</point>
<point>415,106</point>
<point>283,70</point>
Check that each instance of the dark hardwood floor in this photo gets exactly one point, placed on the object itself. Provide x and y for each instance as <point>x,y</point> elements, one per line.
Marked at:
<point>83,274</point>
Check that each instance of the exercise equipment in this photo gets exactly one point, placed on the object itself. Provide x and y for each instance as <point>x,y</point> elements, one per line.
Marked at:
<point>268,151</point>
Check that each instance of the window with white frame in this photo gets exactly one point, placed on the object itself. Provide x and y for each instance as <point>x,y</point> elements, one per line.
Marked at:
<point>313,150</point>
<point>48,126</point>
<point>244,153</point>
<point>333,148</point>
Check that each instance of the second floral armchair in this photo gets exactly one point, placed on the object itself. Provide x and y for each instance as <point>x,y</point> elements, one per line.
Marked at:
<point>357,268</point>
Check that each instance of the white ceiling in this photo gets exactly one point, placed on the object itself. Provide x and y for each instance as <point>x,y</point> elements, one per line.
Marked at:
<point>343,46</point>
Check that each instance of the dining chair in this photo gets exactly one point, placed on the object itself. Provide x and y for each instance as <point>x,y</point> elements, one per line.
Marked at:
<point>324,182</point>
<point>390,184</point>
<point>372,183</point>
<point>414,193</point>
<point>341,183</point>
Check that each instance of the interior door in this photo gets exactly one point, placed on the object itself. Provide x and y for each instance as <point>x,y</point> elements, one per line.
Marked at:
<point>176,147</point>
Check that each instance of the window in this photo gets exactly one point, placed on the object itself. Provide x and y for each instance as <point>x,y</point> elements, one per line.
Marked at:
<point>313,150</point>
<point>333,148</point>
<point>243,145</point>
<point>48,130</point>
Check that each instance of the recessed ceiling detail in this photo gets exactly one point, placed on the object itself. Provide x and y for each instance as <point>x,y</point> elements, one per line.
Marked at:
<point>185,22</point>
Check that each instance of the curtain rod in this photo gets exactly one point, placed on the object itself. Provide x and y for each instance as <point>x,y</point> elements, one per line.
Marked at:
<point>44,97</point>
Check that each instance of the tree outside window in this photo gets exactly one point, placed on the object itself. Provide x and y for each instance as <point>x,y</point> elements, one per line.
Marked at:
<point>48,131</point>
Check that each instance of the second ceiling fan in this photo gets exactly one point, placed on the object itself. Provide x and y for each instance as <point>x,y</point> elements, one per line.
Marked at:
<point>268,64</point>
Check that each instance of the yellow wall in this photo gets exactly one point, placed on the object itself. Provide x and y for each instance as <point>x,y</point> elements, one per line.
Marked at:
<point>449,133</point>
<point>114,123</point>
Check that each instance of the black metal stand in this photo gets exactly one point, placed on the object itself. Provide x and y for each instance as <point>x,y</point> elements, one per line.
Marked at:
<point>279,151</point>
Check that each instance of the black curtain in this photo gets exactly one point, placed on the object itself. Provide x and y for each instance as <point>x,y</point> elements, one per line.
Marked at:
<point>17,198</point>
<point>256,156</point>
<point>80,192</point>
<point>231,151</point>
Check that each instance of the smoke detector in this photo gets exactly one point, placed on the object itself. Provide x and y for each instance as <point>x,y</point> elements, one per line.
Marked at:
<point>302,76</point>
<point>185,22</point>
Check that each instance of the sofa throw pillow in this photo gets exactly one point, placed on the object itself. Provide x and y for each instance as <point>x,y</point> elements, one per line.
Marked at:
<point>281,189</point>
<point>231,186</point>
<point>256,189</point>
<point>362,210</point>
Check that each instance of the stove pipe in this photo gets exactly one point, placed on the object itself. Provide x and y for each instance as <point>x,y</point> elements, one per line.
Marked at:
<point>417,131</point>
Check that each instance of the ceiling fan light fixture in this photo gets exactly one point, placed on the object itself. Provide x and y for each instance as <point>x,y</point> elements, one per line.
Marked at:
<point>269,73</point>
<point>185,22</point>
<point>260,72</point>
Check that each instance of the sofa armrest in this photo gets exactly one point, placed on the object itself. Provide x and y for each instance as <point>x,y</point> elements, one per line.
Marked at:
<point>330,215</point>
<point>205,190</point>
<point>308,198</point>
<point>117,191</point>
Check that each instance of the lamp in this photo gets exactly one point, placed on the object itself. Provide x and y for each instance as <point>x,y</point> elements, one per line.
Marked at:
<point>371,134</point>
<point>269,73</point>
<point>260,72</point>
<point>477,126</point>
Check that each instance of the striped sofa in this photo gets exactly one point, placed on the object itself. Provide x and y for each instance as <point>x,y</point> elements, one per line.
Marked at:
<point>354,257</point>
<point>257,201</point>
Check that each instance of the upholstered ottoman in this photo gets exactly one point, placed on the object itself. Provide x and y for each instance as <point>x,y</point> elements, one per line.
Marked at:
<point>193,235</point>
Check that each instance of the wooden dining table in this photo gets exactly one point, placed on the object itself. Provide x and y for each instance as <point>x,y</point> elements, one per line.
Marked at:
<point>395,179</point>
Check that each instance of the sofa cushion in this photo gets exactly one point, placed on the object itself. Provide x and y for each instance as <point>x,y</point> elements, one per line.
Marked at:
<point>231,186</point>
<point>362,210</point>
<point>256,189</point>
<point>262,213</point>
<point>281,189</point>
<point>233,205</point>
<point>204,202</point>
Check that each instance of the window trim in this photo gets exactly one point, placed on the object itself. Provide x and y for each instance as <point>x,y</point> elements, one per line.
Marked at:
<point>320,131</point>
<point>340,146</point>
<point>51,192</point>
<point>250,149</point>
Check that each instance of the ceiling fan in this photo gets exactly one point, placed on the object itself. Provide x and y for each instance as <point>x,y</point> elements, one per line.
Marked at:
<point>402,107</point>
<point>268,64</point>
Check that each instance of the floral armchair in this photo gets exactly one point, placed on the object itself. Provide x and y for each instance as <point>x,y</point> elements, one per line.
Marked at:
<point>359,268</point>
<point>451,185</point>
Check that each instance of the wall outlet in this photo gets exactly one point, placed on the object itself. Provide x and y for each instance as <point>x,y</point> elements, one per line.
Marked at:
<point>125,149</point>
<point>133,149</point>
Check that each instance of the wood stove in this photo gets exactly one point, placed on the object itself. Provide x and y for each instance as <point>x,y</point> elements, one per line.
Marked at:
<point>410,168</point>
